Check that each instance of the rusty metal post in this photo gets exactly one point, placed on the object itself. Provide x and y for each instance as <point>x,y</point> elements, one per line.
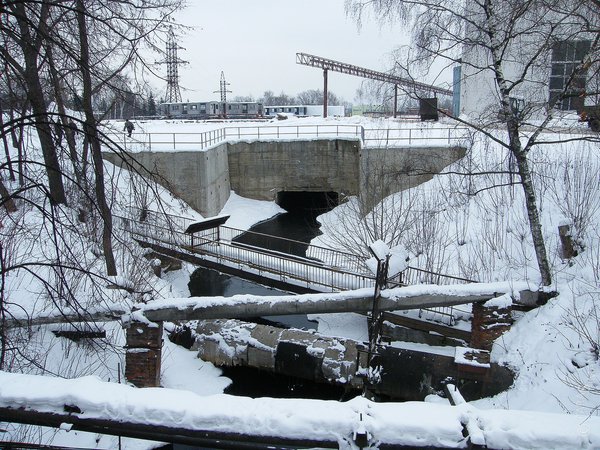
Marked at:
<point>568,249</point>
<point>324,92</point>
<point>376,319</point>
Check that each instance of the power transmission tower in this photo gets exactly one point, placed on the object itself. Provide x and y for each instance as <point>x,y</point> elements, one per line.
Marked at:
<point>223,90</point>
<point>172,61</point>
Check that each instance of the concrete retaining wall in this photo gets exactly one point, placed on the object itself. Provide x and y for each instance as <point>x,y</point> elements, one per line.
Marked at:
<point>260,170</point>
<point>384,171</point>
<point>200,178</point>
<point>405,374</point>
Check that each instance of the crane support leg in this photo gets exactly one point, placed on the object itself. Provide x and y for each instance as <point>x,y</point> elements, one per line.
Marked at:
<point>395,100</point>
<point>324,92</point>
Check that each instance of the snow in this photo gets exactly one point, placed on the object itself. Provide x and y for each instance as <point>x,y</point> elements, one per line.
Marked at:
<point>246,212</point>
<point>483,236</point>
<point>502,301</point>
<point>380,250</point>
<point>181,370</point>
<point>410,423</point>
<point>460,357</point>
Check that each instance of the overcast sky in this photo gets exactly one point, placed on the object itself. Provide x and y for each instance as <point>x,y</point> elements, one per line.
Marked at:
<point>255,44</point>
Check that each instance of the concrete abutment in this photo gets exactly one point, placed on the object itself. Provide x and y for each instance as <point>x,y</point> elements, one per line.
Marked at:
<point>260,170</point>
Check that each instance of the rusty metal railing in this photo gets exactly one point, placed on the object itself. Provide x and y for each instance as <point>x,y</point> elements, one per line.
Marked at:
<point>214,245</point>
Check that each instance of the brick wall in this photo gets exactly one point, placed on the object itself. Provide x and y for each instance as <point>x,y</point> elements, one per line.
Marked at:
<point>143,354</point>
<point>489,323</point>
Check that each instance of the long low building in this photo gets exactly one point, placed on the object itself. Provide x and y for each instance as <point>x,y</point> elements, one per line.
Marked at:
<point>304,110</point>
<point>211,110</point>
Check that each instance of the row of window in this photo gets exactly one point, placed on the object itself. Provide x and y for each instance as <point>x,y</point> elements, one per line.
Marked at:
<point>567,77</point>
<point>201,107</point>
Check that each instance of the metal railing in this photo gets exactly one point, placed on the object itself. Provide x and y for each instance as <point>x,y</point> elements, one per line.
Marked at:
<point>202,140</point>
<point>369,137</point>
<point>320,266</point>
<point>214,244</point>
<point>443,314</point>
<point>293,131</point>
<point>394,137</point>
<point>332,258</point>
<point>169,141</point>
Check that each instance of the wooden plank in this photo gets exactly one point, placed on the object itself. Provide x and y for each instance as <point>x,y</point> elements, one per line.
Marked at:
<point>186,436</point>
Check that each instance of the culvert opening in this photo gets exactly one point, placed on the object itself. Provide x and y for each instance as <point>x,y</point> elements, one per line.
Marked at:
<point>307,203</point>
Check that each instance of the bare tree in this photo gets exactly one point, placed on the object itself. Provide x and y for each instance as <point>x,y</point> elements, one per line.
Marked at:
<point>510,46</point>
<point>81,46</point>
<point>315,97</point>
<point>25,25</point>
<point>270,99</point>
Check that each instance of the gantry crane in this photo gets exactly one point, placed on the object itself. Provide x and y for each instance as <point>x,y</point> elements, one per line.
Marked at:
<point>336,66</point>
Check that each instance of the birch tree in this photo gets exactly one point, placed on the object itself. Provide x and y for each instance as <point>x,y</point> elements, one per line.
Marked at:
<point>508,46</point>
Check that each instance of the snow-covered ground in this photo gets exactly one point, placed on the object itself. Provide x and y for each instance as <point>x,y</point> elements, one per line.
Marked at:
<point>455,224</point>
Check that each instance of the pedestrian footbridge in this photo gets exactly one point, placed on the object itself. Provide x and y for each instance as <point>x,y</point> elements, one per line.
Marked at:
<point>212,244</point>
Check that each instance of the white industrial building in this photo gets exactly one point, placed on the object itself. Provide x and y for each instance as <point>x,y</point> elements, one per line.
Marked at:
<point>547,56</point>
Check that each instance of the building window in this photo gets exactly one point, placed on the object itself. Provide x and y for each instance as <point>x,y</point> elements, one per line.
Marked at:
<point>566,56</point>
<point>175,107</point>
<point>194,106</point>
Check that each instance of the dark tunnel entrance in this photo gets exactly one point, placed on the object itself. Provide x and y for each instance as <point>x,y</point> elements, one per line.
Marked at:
<point>307,203</point>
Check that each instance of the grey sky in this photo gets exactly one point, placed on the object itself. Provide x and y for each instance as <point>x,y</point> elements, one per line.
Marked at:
<point>255,43</point>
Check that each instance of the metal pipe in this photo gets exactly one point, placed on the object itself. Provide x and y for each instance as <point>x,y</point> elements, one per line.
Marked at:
<point>153,432</point>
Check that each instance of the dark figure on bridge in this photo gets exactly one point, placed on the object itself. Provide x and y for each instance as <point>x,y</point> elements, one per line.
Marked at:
<point>129,127</point>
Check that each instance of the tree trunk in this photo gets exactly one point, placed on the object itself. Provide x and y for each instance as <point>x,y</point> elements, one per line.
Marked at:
<point>11,169</point>
<point>69,133</point>
<point>7,200</point>
<point>21,155</point>
<point>535,225</point>
<point>35,96</point>
<point>516,148</point>
<point>91,133</point>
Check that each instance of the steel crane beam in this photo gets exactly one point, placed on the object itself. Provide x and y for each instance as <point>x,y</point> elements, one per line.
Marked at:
<point>349,69</point>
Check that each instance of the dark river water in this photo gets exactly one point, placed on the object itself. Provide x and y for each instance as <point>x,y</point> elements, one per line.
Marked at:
<point>298,224</point>
<point>207,282</point>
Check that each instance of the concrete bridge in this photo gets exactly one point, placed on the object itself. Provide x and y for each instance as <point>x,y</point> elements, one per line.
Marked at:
<point>368,163</point>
